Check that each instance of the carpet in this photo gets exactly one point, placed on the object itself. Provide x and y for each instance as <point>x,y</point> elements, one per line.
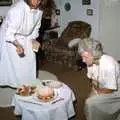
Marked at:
<point>45,75</point>
<point>6,94</point>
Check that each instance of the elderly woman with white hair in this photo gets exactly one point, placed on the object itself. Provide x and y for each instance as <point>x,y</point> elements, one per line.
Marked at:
<point>103,102</point>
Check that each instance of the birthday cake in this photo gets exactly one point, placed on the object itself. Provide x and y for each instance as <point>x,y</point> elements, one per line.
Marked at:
<point>45,93</point>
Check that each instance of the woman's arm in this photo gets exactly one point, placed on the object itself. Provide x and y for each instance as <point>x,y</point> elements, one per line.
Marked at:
<point>95,89</point>
<point>13,22</point>
<point>104,91</point>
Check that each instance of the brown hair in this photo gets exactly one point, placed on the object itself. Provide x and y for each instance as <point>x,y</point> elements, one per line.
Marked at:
<point>50,7</point>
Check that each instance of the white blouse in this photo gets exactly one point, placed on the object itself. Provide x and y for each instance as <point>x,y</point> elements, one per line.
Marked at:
<point>106,73</point>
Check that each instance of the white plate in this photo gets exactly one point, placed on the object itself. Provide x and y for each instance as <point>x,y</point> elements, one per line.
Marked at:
<point>53,83</point>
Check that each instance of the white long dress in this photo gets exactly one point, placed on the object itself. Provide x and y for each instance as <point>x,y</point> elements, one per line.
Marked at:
<point>104,106</point>
<point>21,23</point>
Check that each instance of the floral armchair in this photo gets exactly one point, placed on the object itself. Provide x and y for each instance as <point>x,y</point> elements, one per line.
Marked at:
<point>57,51</point>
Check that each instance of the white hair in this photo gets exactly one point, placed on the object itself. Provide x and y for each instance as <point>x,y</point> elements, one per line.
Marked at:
<point>87,44</point>
<point>74,42</point>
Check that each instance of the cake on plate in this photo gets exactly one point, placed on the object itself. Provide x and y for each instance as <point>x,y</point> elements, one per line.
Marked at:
<point>45,93</point>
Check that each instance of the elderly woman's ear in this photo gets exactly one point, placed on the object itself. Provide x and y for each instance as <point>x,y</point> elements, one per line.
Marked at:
<point>74,42</point>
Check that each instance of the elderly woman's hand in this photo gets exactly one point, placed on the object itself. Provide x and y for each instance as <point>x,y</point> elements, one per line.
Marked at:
<point>94,88</point>
<point>93,92</point>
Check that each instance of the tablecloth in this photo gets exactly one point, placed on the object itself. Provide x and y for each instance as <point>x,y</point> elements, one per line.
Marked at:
<point>61,110</point>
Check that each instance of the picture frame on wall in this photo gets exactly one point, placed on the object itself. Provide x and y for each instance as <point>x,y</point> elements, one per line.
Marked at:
<point>89,12</point>
<point>5,2</point>
<point>86,2</point>
<point>57,11</point>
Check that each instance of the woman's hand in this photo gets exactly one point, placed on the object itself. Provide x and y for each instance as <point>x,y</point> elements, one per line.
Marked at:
<point>35,45</point>
<point>93,92</point>
<point>94,88</point>
<point>19,49</point>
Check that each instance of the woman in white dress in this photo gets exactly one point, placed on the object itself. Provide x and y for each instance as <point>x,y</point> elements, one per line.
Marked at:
<point>20,27</point>
<point>18,34</point>
<point>103,102</point>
